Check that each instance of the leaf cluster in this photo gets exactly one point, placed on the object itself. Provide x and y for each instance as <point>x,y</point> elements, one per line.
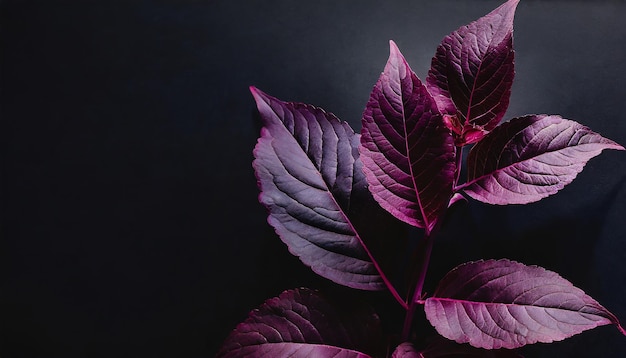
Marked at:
<point>324,184</point>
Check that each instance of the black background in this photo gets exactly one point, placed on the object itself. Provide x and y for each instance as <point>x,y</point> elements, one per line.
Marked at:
<point>130,221</point>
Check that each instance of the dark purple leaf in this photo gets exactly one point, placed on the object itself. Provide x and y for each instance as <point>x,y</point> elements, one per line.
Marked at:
<point>303,323</point>
<point>528,158</point>
<point>504,304</point>
<point>307,166</point>
<point>472,73</point>
<point>407,152</point>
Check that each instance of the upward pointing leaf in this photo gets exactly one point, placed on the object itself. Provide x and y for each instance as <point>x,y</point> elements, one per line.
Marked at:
<point>306,163</point>
<point>529,158</point>
<point>472,73</point>
<point>408,154</point>
<point>303,323</point>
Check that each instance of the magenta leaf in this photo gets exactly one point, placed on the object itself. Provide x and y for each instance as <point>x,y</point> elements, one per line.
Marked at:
<point>529,158</point>
<point>408,154</point>
<point>505,304</point>
<point>303,323</point>
<point>472,73</point>
<point>308,170</point>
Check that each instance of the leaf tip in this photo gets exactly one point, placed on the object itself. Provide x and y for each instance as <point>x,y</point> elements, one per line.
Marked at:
<point>395,55</point>
<point>261,98</point>
<point>393,47</point>
<point>511,4</point>
<point>256,93</point>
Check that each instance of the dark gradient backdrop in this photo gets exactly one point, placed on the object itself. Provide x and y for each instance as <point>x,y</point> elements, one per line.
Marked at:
<point>130,224</point>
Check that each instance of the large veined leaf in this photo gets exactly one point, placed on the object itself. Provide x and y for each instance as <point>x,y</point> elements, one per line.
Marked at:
<point>303,323</point>
<point>307,166</point>
<point>528,158</point>
<point>408,154</point>
<point>505,304</point>
<point>472,73</point>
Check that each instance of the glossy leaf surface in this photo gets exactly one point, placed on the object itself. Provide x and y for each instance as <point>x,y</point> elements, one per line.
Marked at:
<point>308,171</point>
<point>529,158</point>
<point>303,323</point>
<point>505,304</point>
<point>472,73</point>
<point>407,152</point>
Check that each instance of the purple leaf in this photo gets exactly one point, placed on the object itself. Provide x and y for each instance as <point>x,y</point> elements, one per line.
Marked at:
<point>306,163</point>
<point>504,304</point>
<point>303,323</point>
<point>408,154</point>
<point>472,73</point>
<point>529,158</point>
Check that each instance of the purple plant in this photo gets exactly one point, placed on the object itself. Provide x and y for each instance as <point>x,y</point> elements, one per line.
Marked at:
<point>317,178</point>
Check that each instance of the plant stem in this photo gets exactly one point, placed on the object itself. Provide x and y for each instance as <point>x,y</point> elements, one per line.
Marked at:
<point>426,250</point>
<point>459,163</point>
<point>417,293</point>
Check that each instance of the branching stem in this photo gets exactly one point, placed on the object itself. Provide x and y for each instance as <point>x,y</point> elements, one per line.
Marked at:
<point>424,257</point>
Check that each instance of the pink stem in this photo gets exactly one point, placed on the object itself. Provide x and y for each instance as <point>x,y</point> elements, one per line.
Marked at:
<point>388,283</point>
